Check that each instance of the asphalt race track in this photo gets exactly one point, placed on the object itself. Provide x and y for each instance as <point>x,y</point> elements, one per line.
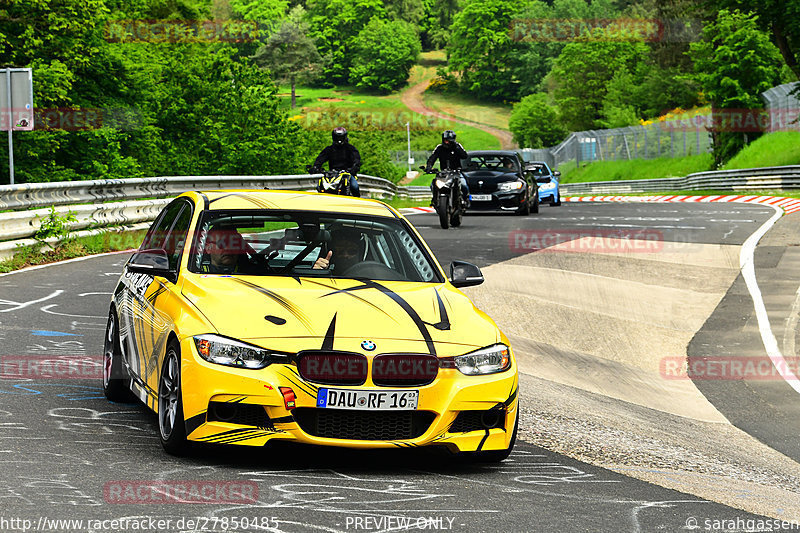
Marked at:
<point>64,449</point>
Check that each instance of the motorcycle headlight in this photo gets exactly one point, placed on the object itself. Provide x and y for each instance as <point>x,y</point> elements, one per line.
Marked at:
<point>441,184</point>
<point>510,186</point>
<point>489,360</point>
<point>223,351</point>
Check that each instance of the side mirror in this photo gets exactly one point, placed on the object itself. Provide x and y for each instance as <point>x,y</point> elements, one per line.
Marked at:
<point>543,179</point>
<point>154,261</point>
<point>556,173</point>
<point>463,274</point>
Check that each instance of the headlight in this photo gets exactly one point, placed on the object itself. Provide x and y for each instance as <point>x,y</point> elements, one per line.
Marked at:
<point>510,186</point>
<point>489,360</point>
<point>441,184</point>
<point>222,351</point>
<point>548,185</point>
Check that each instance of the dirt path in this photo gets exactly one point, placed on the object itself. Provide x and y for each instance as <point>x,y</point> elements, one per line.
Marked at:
<point>412,98</point>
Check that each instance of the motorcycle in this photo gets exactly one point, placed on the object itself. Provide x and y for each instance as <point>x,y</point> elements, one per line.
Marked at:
<point>447,197</point>
<point>332,181</point>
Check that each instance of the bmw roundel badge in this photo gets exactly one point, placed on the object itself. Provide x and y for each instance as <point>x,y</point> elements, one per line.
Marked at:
<point>368,345</point>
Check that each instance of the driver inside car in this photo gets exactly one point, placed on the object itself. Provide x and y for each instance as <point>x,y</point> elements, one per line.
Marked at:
<point>346,251</point>
<point>226,251</point>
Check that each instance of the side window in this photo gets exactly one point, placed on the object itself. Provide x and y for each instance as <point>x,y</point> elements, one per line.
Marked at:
<point>176,239</point>
<point>157,235</point>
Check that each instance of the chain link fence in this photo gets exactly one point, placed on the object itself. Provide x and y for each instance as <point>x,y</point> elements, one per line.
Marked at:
<point>633,142</point>
<point>678,137</point>
<point>783,107</point>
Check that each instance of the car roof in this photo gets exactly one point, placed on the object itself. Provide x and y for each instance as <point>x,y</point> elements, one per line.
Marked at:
<point>291,201</point>
<point>494,152</point>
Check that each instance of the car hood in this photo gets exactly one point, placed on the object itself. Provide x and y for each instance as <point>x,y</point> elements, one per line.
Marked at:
<point>491,176</point>
<point>293,314</point>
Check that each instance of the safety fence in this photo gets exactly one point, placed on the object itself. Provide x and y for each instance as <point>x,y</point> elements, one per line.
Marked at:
<point>103,205</point>
<point>751,179</point>
<point>134,203</point>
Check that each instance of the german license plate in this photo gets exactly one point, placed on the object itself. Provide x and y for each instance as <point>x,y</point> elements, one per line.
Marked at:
<point>368,400</point>
<point>481,197</point>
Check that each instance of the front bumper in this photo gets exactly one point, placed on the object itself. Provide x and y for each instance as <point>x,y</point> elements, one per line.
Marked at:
<point>500,201</point>
<point>209,390</point>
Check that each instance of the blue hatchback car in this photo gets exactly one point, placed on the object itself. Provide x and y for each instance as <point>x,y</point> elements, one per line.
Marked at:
<point>548,181</point>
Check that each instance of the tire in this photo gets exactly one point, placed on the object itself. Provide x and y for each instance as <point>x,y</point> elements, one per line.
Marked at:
<point>535,207</point>
<point>525,209</point>
<point>115,386</point>
<point>458,211</point>
<point>556,199</point>
<point>171,426</point>
<point>441,208</point>
<point>495,456</point>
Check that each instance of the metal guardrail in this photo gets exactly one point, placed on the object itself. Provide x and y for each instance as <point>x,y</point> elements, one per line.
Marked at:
<point>776,178</point>
<point>107,203</point>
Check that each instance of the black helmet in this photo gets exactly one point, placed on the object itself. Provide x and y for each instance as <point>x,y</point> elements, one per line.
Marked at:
<point>448,136</point>
<point>339,136</point>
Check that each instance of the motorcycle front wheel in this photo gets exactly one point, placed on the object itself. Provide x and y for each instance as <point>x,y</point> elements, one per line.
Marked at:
<point>441,208</point>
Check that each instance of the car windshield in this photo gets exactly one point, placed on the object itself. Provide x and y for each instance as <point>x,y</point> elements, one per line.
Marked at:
<point>538,169</point>
<point>502,163</point>
<point>305,243</point>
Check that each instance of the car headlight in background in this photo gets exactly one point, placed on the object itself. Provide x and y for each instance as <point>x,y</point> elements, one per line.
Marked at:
<point>510,186</point>
<point>222,351</point>
<point>489,360</point>
<point>548,185</point>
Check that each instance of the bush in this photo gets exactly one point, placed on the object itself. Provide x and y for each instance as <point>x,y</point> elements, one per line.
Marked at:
<point>384,54</point>
<point>535,123</point>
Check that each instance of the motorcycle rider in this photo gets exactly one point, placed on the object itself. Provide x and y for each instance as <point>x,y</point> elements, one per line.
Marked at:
<point>449,153</point>
<point>341,155</point>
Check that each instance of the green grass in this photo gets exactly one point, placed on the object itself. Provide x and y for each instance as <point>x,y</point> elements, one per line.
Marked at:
<point>76,247</point>
<point>771,150</point>
<point>338,98</point>
<point>466,108</point>
<point>635,169</point>
<point>400,203</point>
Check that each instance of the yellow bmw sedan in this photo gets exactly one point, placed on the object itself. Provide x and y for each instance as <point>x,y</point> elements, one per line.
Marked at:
<point>253,316</point>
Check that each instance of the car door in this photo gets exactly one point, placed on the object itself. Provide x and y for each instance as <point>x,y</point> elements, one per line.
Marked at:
<point>144,326</point>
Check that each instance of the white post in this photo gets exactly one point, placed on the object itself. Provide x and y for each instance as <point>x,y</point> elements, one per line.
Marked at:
<point>10,127</point>
<point>408,136</point>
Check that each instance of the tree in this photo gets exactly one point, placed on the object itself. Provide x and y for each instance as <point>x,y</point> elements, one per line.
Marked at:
<point>535,123</point>
<point>384,54</point>
<point>410,11</point>
<point>582,72</point>
<point>335,25</point>
<point>260,10</point>
<point>479,45</point>
<point>774,17</point>
<point>289,54</point>
<point>734,63</point>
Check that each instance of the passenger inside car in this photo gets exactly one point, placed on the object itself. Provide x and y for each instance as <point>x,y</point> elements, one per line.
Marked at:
<point>346,249</point>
